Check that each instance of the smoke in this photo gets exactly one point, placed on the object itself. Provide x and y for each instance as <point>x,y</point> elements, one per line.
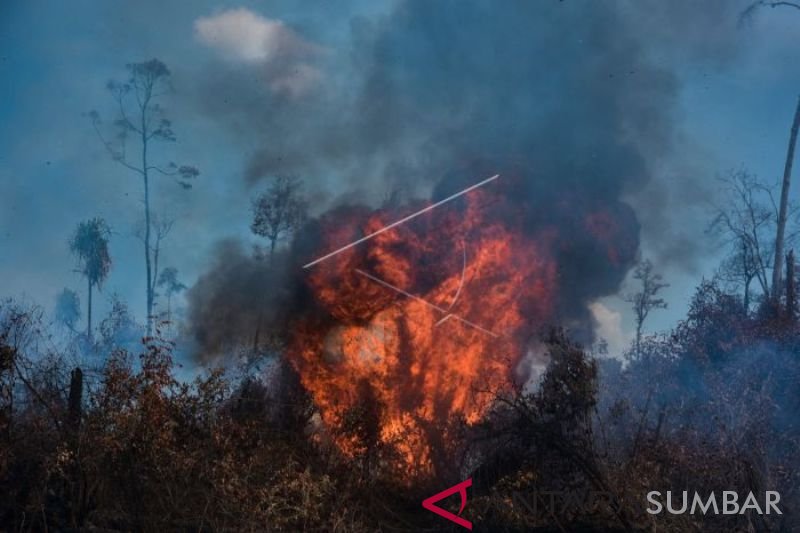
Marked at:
<point>242,36</point>
<point>575,86</point>
<point>236,300</point>
<point>573,101</point>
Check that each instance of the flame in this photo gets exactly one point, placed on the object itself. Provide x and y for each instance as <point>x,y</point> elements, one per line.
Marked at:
<point>421,321</point>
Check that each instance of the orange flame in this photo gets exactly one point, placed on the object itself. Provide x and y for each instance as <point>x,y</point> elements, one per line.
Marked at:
<point>424,317</point>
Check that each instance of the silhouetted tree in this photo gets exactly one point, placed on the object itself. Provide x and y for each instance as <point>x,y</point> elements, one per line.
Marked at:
<point>119,329</point>
<point>645,300</point>
<point>68,309</point>
<point>141,120</point>
<point>745,221</point>
<point>160,229</point>
<point>783,208</point>
<point>168,280</point>
<point>89,244</point>
<point>75,398</point>
<point>279,211</point>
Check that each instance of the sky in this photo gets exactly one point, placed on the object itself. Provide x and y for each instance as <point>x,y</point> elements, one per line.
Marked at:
<point>261,87</point>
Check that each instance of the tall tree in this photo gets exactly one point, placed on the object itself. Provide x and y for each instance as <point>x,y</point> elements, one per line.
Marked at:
<point>646,299</point>
<point>89,244</point>
<point>279,211</point>
<point>784,205</point>
<point>141,120</point>
<point>783,210</point>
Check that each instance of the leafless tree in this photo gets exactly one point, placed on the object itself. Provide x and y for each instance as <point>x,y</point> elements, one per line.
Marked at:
<point>745,220</point>
<point>738,271</point>
<point>646,299</point>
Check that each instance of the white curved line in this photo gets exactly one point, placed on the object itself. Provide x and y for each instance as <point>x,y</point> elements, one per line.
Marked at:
<point>463,270</point>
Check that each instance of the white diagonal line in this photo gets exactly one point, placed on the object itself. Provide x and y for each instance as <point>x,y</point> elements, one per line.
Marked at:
<point>434,306</point>
<point>476,326</point>
<point>443,320</point>
<point>401,221</point>
<point>398,289</point>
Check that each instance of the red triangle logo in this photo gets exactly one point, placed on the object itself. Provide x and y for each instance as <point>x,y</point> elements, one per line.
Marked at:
<point>461,489</point>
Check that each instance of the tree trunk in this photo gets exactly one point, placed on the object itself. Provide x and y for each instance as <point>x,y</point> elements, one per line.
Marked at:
<point>154,272</point>
<point>784,205</point>
<point>638,338</point>
<point>746,303</point>
<point>75,398</point>
<point>7,355</point>
<point>89,312</point>
<point>791,306</point>
<point>747,278</point>
<point>273,240</point>
<point>147,228</point>
<point>77,487</point>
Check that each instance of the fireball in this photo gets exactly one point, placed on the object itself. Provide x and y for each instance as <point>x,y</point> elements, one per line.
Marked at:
<point>425,322</point>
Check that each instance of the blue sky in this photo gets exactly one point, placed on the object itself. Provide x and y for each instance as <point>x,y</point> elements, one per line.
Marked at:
<point>736,87</point>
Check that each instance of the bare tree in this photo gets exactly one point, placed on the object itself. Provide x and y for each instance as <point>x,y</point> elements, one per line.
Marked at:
<point>89,244</point>
<point>738,271</point>
<point>745,222</point>
<point>140,121</point>
<point>279,211</point>
<point>646,299</point>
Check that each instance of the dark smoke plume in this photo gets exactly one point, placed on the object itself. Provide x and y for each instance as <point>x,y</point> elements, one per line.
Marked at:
<point>564,97</point>
<point>237,300</point>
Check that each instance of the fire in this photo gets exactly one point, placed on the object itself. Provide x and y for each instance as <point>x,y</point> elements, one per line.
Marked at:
<point>422,322</point>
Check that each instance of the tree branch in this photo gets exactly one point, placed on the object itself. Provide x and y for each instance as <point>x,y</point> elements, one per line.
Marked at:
<point>118,157</point>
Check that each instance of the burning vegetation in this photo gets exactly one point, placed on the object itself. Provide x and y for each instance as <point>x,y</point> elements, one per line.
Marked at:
<point>421,321</point>
<point>364,356</point>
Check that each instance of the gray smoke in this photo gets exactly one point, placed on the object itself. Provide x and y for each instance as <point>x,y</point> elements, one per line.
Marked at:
<point>573,101</point>
<point>236,300</point>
